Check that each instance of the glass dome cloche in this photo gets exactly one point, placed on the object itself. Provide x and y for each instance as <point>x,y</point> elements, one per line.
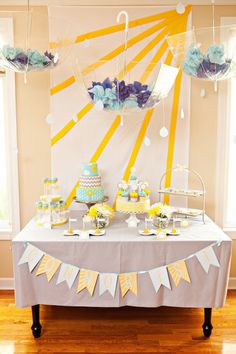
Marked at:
<point>123,83</point>
<point>30,49</point>
<point>206,53</point>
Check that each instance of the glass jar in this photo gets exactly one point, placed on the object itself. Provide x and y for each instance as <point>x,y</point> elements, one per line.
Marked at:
<point>160,223</point>
<point>101,222</point>
<point>39,214</point>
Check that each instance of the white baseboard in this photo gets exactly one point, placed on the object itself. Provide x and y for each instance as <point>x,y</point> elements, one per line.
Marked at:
<point>6,283</point>
<point>232,283</point>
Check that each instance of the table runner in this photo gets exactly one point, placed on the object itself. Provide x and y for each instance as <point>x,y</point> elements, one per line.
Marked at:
<point>123,250</point>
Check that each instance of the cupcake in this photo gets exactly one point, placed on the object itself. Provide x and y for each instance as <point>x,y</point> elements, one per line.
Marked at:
<point>133,196</point>
<point>125,196</point>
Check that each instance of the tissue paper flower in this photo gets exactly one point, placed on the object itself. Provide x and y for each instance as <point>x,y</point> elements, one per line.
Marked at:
<point>35,58</point>
<point>20,60</point>
<point>216,54</point>
<point>212,65</point>
<point>10,52</point>
<point>117,95</point>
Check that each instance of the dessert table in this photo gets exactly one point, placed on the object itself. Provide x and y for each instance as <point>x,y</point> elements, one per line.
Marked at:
<point>122,250</point>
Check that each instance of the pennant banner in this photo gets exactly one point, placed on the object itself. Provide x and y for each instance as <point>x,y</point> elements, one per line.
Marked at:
<point>107,282</point>
<point>49,266</point>
<point>207,257</point>
<point>178,271</point>
<point>128,281</point>
<point>87,280</point>
<point>32,256</point>
<point>67,273</point>
<point>159,276</point>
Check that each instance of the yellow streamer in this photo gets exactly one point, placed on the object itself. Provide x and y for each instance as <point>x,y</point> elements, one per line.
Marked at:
<point>113,54</point>
<point>173,125</point>
<point>62,86</point>
<point>71,123</point>
<point>116,28</point>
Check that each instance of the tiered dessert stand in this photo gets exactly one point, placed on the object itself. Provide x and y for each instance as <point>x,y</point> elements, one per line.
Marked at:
<point>194,193</point>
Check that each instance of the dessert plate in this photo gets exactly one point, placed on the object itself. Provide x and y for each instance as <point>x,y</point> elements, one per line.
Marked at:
<point>171,233</point>
<point>97,232</point>
<point>150,232</point>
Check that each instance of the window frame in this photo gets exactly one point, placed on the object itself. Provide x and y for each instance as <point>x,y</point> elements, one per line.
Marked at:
<point>6,26</point>
<point>222,151</point>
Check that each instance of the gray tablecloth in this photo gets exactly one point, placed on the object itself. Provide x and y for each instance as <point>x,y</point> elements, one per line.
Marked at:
<point>123,250</point>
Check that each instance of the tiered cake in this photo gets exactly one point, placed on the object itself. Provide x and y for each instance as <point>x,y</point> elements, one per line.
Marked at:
<point>90,188</point>
<point>133,196</point>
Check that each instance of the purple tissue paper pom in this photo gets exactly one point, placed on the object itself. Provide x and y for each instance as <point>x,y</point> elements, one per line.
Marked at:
<point>49,55</point>
<point>21,58</point>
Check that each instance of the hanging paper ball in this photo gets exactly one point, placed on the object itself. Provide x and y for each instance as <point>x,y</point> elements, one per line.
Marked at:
<point>180,8</point>
<point>147,141</point>
<point>50,119</point>
<point>164,132</point>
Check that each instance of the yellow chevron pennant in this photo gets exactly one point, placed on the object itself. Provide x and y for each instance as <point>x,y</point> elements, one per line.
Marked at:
<point>87,280</point>
<point>178,271</point>
<point>128,281</point>
<point>49,266</point>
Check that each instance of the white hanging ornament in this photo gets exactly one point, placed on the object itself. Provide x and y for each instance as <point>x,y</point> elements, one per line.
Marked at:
<point>49,119</point>
<point>164,132</point>
<point>147,141</point>
<point>121,121</point>
<point>180,8</point>
<point>182,113</point>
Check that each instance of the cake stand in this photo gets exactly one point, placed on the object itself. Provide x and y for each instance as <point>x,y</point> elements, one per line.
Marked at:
<point>132,220</point>
<point>91,203</point>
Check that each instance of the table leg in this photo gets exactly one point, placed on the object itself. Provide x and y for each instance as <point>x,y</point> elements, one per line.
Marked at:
<point>36,326</point>
<point>207,326</point>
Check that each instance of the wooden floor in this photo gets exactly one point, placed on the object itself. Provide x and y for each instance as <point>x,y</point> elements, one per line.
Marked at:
<point>123,330</point>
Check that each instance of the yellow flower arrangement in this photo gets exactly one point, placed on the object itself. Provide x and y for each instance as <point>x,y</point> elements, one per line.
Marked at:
<point>99,210</point>
<point>161,210</point>
<point>155,209</point>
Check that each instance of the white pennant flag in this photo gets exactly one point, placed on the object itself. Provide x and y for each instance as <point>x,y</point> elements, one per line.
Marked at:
<point>159,276</point>
<point>32,256</point>
<point>107,282</point>
<point>67,273</point>
<point>207,257</point>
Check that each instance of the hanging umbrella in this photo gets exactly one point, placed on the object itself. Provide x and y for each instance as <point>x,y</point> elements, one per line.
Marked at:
<point>124,84</point>
<point>206,53</point>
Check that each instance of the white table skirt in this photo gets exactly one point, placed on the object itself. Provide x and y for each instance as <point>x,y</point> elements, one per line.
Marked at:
<point>121,250</point>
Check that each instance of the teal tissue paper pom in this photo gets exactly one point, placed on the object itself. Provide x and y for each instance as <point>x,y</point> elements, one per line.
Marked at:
<point>10,52</point>
<point>110,94</point>
<point>114,105</point>
<point>35,58</point>
<point>190,70</point>
<point>216,54</point>
<point>98,92</point>
<point>131,102</point>
<point>194,57</point>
